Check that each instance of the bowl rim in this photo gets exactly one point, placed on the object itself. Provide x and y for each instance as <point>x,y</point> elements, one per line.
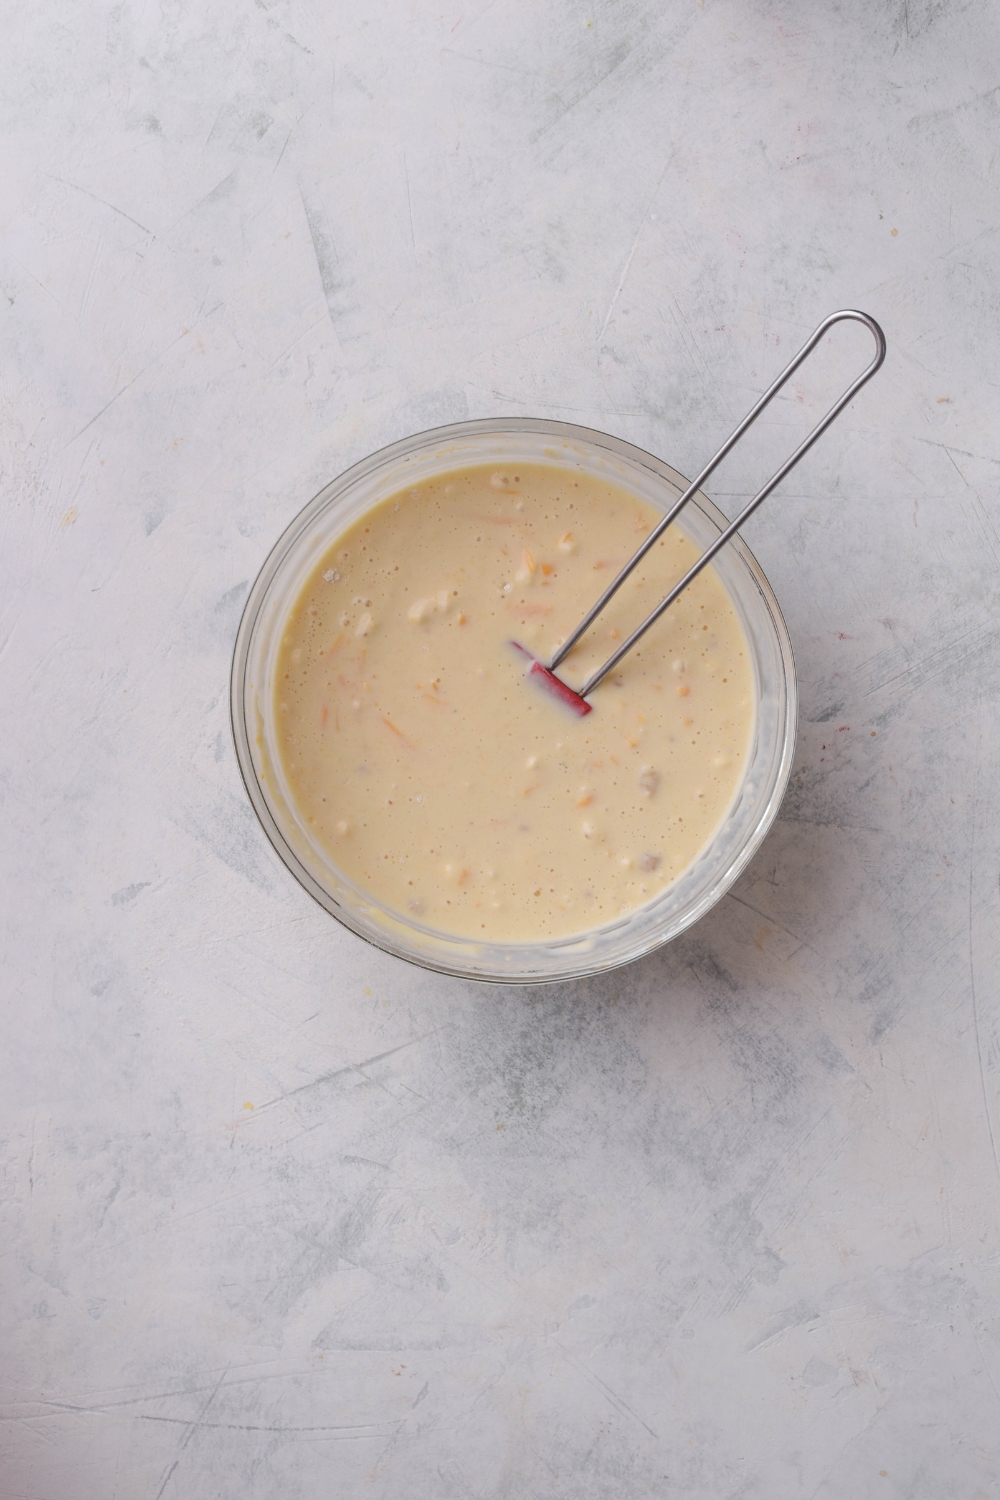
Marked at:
<point>301,521</point>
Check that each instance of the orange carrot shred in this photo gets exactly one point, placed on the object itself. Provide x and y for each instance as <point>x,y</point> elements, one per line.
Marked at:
<point>390,725</point>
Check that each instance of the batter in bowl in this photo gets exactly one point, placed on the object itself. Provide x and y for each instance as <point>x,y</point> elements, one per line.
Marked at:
<point>443,782</point>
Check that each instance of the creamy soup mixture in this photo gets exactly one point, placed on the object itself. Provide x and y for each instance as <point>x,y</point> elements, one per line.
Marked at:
<point>444,782</point>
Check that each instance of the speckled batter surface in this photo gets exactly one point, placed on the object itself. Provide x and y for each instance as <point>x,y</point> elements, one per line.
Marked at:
<point>448,785</point>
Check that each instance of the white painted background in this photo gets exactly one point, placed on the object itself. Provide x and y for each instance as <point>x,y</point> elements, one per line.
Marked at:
<point>723,1224</point>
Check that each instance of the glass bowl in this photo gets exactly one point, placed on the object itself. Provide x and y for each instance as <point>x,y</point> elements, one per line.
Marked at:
<point>508,441</point>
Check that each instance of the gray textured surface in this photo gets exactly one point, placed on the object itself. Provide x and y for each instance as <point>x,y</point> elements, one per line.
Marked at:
<point>724,1224</point>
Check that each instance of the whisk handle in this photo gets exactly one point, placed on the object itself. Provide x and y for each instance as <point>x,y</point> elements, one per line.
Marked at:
<point>846,314</point>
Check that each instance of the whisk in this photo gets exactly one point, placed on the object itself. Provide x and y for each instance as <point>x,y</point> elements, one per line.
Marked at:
<point>577,700</point>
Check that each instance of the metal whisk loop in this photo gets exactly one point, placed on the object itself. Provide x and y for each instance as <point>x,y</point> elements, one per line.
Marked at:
<point>745,513</point>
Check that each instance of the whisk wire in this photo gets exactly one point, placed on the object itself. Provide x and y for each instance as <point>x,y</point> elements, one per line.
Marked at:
<point>846,314</point>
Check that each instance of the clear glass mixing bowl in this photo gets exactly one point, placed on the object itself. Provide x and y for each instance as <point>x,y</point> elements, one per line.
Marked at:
<point>503,441</point>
